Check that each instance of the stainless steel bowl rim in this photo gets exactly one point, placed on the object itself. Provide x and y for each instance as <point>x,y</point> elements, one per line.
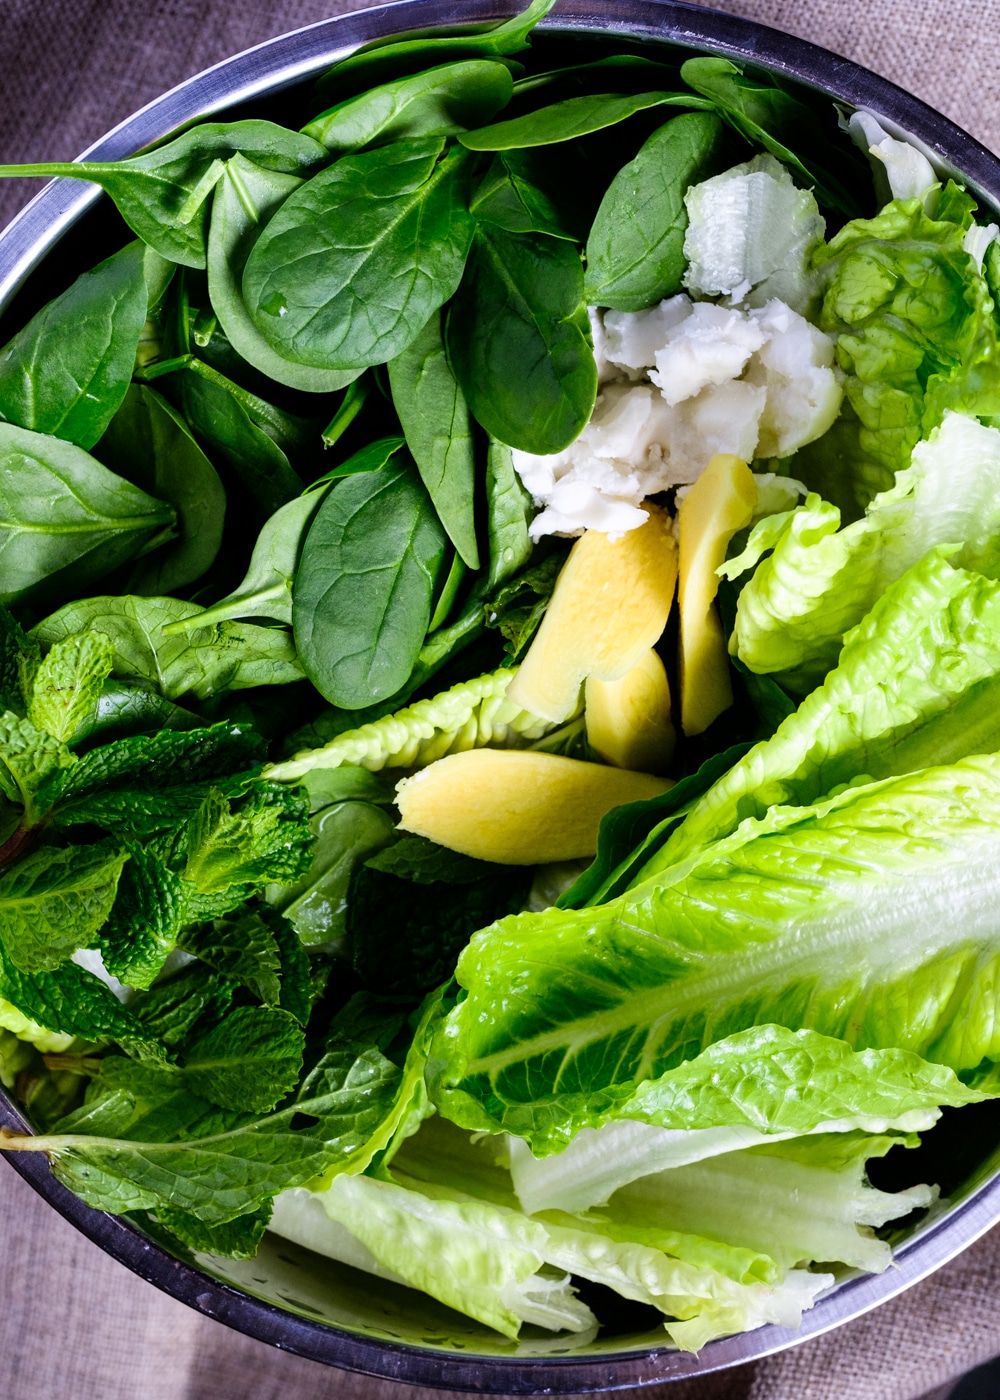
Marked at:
<point>266,69</point>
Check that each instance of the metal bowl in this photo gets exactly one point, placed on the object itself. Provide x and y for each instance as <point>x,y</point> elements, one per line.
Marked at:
<point>286,1296</point>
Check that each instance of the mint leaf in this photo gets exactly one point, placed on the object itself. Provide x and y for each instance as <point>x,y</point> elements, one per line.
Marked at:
<point>35,766</point>
<point>422,861</point>
<point>227,1172</point>
<point>296,973</point>
<point>251,1060</point>
<point>243,949</point>
<point>68,683</point>
<point>141,812</point>
<point>55,901</point>
<point>145,919</point>
<point>172,757</point>
<point>169,1010</point>
<point>18,658</point>
<point>75,1002</point>
<point>238,1238</point>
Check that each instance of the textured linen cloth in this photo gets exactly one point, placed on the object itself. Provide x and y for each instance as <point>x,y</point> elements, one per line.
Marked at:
<point>73,1323</point>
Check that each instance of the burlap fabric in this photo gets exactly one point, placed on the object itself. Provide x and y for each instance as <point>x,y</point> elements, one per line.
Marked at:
<point>75,1325</point>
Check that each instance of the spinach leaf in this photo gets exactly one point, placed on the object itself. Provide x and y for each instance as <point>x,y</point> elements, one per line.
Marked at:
<point>254,461</point>
<point>371,458</point>
<point>315,282</point>
<point>149,444</point>
<point>519,340</point>
<point>635,252</point>
<point>355,397</point>
<point>237,1162</point>
<point>767,115</point>
<point>511,197</point>
<point>346,834</point>
<point>67,371</point>
<point>65,520</point>
<point>244,200</point>
<point>266,591</point>
<point>564,121</point>
<point>243,949</point>
<point>363,592</point>
<point>162,195</point>
<point>145,919</point>
<point>509,508</point>
<point>124,711</point>
<point>54,901</point>
<point>411,912</point>
<point>438,102</point>
<point>431,408</point>
<point>249,1061</point>
<point>445,599</point>
<point>383,61</point>
<point>205,662</point>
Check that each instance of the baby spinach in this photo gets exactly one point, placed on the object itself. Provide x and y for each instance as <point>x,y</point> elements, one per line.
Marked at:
<point>363,592</point>
<point>383,61</point>
<point>438,102</point>
<point>162,194</point>
<point>426,395</point>
<point>370,458</point>
<point>635,253</point>
<point>66,520</point>
<point>149,445</point>
<point>67,371</point>
<point>577,116</point>
<point>768,116</point>
<point>519,340</point>
<point>205,662</point>
<point>509,509</point>
<point>244,200</point>
<point>510,198</point>
<point>266,591</point>
<point>353,401</point>
<point>450,589</point>
<point>315,282</point>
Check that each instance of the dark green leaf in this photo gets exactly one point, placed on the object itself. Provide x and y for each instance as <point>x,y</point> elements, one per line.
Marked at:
<point>249,1062</point>
<point>438,102</point>
<point>244,200</point>
<point>365,584</point>
<point>431,408</point>
<point>296,971</point>
<point>406,936</point>
<point>385,60</point>
<point>355,397</point>
<point>145,919</point>
<point>138,812</point>
<point>564,121</point>
<point>149,445</point>
<point>67,371</point>
<point>316,905</point>
<point>162,195</point>
<point>205,662</point>
<point>34,766</point>
<point>235,1239</point>
<point>19,657</point>
<point>328,785</point>
<point>630,834</point>
<point>635,252</point>
<point>422,861</point>
<point>54,901</point>
<point>510,198</point>
<point>168,758</point>
<point>519,340</point>
<point>518,607</point>
<point>75,1002</point>
<point>170,1009</point>
<point>66,520</point>
<point>370,458</point>
<point>230,1171</point>
<point>243,949</point>
<point>509,508</point>
<point>315,283</point>
<point>124,711</point>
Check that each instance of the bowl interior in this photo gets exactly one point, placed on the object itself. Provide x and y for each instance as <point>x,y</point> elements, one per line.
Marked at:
<point>287,1295</point>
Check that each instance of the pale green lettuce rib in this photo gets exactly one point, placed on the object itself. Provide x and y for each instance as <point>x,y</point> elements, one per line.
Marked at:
<point>873,918</point>
<point>472,714</point>
<point>819,581</point>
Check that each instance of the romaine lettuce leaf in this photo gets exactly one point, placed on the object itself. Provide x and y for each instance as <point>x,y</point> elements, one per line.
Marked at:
<point>820,581</point>
<point>870,918</point>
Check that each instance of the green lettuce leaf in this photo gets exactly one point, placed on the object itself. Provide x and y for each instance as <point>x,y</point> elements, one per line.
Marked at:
<point>868,919</point>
